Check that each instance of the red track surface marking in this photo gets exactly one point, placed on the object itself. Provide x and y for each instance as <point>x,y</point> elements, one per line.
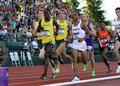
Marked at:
<point>29,76</point>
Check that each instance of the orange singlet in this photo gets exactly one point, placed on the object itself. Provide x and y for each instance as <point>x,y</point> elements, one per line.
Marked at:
<point>103,37</point>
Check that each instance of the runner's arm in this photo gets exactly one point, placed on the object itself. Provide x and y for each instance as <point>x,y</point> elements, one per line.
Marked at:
<point>56,27</point>
<point>92,31</point>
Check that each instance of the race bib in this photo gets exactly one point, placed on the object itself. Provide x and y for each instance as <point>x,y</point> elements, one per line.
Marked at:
<point>75,35</point>
<point>40,34</point>
<point>46,33</point>
<point>61,31</point>
<point>103,40</point>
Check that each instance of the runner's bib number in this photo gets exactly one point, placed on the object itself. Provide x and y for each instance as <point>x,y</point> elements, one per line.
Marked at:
<point>75,35</point>
<point>103,40</point>
<point>61,31</point>
<point>46,33</point>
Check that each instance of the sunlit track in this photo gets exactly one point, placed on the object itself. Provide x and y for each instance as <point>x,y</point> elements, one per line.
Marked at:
<point>22,70</point>
<point>32,78</point>
<point>39,82</point>
<point>37,74</point>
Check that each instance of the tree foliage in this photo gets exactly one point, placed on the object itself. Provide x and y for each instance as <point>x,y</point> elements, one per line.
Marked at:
<point>72,4</point>
<point>94,10</point>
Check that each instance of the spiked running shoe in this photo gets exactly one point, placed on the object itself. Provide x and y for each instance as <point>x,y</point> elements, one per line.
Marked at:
<point>85,67</point>
<point>57,71</point>
<point>43,76</point>
<point>93,73</point>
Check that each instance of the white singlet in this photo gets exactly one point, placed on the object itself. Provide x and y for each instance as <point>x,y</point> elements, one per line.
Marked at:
<point>78,33</point>
<point>116,23</point>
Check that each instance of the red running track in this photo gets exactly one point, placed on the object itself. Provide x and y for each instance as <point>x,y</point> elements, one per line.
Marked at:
<point>30,76</point>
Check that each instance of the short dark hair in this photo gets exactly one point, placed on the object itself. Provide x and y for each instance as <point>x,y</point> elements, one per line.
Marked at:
<point>104,22</point>
<point>118,8</point>
<point>47,10</point>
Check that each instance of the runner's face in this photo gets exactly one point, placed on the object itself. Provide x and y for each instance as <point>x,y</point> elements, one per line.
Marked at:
<point>117,13</point>
<point>75,16</point>
<point>103,25</point>
<point>40,15</point>
<point>84,18</point>
<point>46,14</point>
<point>62,14</point>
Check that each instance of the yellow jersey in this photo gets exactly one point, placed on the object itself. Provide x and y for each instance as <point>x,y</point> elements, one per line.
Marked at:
<point>62,32</point>
<point>48,29</point>
<point>36,24</point>
<point>35,30</point>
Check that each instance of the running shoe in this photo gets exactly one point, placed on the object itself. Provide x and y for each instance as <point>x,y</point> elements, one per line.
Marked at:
<point>53,76</point>
<point>43,76</point>
<point>118,69</point>
<point>57,71</point>
<point>109,69</point>
<point>85,67</point>
<point>93,73</point>
<point>76,79</point>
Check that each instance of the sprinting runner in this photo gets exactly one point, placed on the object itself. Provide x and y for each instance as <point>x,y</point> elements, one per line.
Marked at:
<point>46,29</point>
<point>36,31</point>
<point>116,23</point>
<point>104,37</point>
<point>89,41</point>
<point>61,38</point>
<point>79,45</point>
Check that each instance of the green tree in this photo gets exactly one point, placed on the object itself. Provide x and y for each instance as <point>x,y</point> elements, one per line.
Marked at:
<point>94,10</point>
<point>72,4</point>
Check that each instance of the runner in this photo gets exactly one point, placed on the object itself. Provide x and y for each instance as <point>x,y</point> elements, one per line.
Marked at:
<point>104,37</point>
<point>46,29</point>
<point>79,45</point>
<point>37,26</point>
<point>89,41</point>
<point>116,23</point>
<point>61,39</point>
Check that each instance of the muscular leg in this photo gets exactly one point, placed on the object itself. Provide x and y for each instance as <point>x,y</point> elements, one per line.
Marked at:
<point>59,50</point>
<point>116,48</point>
<point>92,63</point>
<point>46,60</point>
<point>84,57</point>
<point>116,51</point>
<point>105,59</point>
<point>75,64</point>
<point>92,59</point>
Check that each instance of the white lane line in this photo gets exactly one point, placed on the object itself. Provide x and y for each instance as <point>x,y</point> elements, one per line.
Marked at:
<point>84,81</point>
